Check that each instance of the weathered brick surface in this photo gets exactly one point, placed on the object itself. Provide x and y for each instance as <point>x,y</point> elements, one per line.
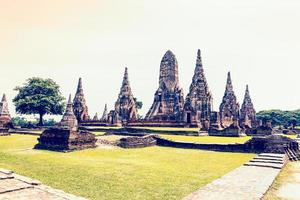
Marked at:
<point>14,186</point>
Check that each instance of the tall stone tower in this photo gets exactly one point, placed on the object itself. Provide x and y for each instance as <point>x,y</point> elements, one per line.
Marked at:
<point>229,108</point>
<point>199,101</point>
<point>168,99</point>
<point>79,104</point>
<point>248,113</point>
<point>125,105</point>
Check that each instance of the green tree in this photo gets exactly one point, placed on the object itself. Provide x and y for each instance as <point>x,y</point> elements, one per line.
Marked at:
<point>19,121</point>
<point>138,104</point>
<point>39,96</point>
<point>279,117</point>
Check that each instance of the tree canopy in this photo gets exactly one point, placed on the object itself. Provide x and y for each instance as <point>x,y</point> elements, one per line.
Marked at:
<point>138,104</point>
<point>279,117</point>
<point>39,96</point>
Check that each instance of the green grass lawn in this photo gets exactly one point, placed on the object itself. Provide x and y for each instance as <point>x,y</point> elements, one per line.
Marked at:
<point>147,173</point>
<point>207,139</point>
<point>97,133</point>
<point>103,127</point>
<point>291,136</point>
<point>168,128</point>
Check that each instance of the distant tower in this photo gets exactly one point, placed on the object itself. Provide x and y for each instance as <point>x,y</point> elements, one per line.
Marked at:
<point>95,118</point>
<point>5,117</point>
<point>79,104</point>
<point>248,113</point>
<point>4,107</point>
<point>199,101</point>
<point>229,108</point>
<point>168,99</point>
<point>104,117</point>
<point>125,105</point>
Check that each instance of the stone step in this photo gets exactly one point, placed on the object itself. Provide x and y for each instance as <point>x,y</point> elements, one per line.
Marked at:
<point>10,185</point>
<point>27,180</point>
<point>266,161</point>
<point>268,158</point>
<point>5,176</point>
<point>269,165</point>
<point>5,171</point>
<point>273,155</point>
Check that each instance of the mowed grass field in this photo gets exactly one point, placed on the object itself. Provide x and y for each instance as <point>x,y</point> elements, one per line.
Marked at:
<point>147,173</point>
<point>168,129</point>
<point>208,139</point>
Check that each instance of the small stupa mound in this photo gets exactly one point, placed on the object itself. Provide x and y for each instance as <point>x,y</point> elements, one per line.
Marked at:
<point>66,136</point>
<point>5,119</point>
<point>272,144</point>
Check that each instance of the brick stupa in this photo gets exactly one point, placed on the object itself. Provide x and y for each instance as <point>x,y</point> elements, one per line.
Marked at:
<point>66,136</point>
<point>229,108</point>
<point>248,113</point>
<point>96,118</point>
<point>79,104</point>
<point>104,117</point>
<point>125,106</point>
<point>199,101</point>
<point>5,118</point>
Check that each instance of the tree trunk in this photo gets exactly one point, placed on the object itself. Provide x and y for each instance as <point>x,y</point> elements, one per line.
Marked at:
<point>41,120</point>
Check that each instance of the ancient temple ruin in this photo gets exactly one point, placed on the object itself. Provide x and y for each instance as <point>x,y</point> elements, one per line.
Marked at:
<point>229,108</point>
<point>199,101</point>
<point>66,136</point>
<point>79,104</point>
<point>169,107</point>
<point>5,118</point>
<point>248,113</point>
<point>168,99</point>
<point>125,106</point>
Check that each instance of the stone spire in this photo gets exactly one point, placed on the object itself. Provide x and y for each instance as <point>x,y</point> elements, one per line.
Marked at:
<point>168,99</point>
<point>229,87</point>
<point>69,119</point>
<point>79,104</point>
<point>229,108</point>
<point>79,86</point>
<point>168,77</point>
<point>104,117</point>
<point>95,118</point>
<point>248,113</point>
<point>198,104</point>
<point>4,107</point>
<point>125,105</point>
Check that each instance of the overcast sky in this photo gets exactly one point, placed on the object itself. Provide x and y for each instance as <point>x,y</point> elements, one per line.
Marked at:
<point>258,41</point>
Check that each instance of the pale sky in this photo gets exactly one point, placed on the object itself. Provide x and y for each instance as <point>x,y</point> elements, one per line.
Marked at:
<point>258,41</point>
